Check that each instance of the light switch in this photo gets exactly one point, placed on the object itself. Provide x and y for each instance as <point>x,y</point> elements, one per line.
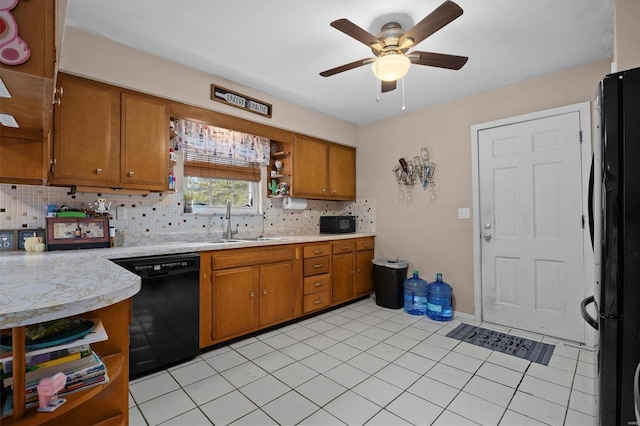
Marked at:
<point>121,213</point>
<point>463,213</point>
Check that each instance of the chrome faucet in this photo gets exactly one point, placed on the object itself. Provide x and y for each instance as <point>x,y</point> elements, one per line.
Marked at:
<point>227,216</point>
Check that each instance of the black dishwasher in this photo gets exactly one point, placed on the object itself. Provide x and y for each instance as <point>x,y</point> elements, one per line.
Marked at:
<point>165,320</point>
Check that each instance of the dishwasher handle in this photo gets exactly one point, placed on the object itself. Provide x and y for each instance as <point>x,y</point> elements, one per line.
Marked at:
<point>167,272</point>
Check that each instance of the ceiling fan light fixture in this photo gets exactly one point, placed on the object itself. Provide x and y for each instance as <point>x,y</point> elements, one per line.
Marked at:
<point>391,67</point>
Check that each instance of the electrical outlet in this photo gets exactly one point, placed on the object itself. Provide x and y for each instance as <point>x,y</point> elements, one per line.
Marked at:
<point>121,213</point>
<point>463,213</point>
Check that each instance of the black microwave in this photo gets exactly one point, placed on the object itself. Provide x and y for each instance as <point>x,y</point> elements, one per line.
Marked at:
<point>337,224</point>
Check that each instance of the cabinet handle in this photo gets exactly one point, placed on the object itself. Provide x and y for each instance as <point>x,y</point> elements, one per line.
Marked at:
<point>252,294</point>
<point>98,170</point>
<point>352,272</point>
<point>53,165</point>
<point>333,191</point>
<point>130,173</point>
<point>318,284</point>
<point>317,301</point>
<point>264,291</point>
<point>358,270</point>
<point>318,265</point>
<point>204,274</point>
<point>366,245</point>
<point>317,251</point>
<point>324,190</point>
<point>343,248</point>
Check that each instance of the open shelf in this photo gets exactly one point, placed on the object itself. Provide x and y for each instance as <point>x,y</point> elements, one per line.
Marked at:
<point>280,154</point>
<point>113,364</point>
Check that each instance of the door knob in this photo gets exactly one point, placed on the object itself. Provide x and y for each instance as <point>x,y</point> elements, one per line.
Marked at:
<point>486,226</point>
<point>487,237</point>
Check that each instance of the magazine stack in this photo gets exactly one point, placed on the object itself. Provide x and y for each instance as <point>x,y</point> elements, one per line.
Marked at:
<point>61,351</point>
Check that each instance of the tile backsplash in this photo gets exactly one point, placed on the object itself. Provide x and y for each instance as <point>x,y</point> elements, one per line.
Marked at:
<point>159,217</point>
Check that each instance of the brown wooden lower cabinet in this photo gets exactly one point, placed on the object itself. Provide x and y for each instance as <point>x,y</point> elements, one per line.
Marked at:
<point>243,290</point>
<point>352,268</point>
<point>247,289</point>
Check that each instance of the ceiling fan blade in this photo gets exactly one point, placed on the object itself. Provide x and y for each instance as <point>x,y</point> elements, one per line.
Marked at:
<point>352,30</point>
<point>388,86</point>
<point>443,15</point>
<point>346,67</point>
<point>439,60</point>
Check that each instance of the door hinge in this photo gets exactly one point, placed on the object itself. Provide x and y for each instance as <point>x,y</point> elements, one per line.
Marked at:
<point>583,222</point>
<point>580,136</point>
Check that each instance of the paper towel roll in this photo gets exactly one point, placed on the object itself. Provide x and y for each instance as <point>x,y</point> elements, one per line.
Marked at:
<point>294,203</point>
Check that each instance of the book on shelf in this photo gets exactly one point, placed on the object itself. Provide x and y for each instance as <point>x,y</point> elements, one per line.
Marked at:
<point>48,359</point>
<point>93,372</point>
<point>76,367</point>
<point>31,399</point>
<point>98,334</point>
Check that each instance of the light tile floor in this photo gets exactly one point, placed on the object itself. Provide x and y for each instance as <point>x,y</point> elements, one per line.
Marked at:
<point>363,364</point>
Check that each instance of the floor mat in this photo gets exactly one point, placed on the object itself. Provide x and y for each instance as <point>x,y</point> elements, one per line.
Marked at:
<point>505,343</point>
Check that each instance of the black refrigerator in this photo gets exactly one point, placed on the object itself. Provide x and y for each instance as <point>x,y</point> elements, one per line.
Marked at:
<point>616,225</point>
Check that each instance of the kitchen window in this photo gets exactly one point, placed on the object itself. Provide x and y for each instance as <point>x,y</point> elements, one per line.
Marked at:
<point>221,165</point>
<point>211,194</point>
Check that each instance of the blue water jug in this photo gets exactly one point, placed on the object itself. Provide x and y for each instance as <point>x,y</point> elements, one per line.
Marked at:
<point>415,295</point>
<point>439,300</point>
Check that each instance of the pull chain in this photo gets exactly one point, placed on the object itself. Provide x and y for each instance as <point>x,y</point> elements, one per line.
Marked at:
<point>403,107</point>
<point>378,83</point>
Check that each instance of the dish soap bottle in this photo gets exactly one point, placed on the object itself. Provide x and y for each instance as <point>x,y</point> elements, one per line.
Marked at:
<point>439,300</point>
<point>415,295</point>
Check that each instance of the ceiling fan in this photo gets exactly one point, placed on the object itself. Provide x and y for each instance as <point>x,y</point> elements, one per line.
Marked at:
<point>390,46</point>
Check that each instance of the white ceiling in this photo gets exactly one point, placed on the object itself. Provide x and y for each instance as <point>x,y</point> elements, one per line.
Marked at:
<point>280,46</point>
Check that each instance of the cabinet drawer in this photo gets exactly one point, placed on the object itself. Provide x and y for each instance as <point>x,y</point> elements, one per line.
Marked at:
<point>317,283</point>
<point>317,250</point>
<point>233,258</point>
<point>316,301</point>
<point>364,244</point>
<point>316,266</point>
<point>343,247</point>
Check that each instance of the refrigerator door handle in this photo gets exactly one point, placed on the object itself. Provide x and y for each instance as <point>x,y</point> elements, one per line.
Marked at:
<point>583,311</point>
<point>636,392</point>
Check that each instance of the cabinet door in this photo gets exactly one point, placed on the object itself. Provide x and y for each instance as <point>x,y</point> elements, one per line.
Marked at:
<point>309,168</point>
<point>364,271</point>
<point>87,133</point>
<point>342,172</point>
<point>145,142</point>
<point>342,277</point>
<point>235,300</point>
<point>276,292</point>
<point>22,160</point>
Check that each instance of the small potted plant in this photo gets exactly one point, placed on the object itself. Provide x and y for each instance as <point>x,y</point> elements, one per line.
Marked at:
<point>188,200</point>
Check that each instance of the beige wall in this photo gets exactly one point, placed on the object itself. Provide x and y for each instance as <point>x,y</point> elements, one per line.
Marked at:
<point>100,59</point>
<point>428,234</point>
<point>626,24</point>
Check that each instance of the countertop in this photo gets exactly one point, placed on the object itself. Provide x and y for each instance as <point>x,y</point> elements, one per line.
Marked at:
<point>37,287</point>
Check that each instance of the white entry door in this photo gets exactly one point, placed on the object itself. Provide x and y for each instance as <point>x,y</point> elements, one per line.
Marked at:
<point>531,225</point>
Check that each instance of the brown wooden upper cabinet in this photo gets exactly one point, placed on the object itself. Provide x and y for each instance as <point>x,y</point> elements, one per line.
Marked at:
<point>108,137</point>
<point>323,170</point>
